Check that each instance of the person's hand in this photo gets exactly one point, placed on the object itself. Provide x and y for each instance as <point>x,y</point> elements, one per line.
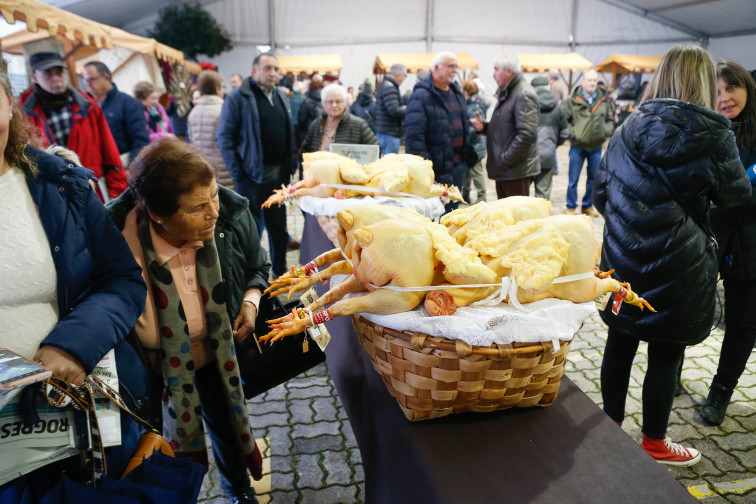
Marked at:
<point>62,364</point>
<point>477,122</point>
<point>245,322</point>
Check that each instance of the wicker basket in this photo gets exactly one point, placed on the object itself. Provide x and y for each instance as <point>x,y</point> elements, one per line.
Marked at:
<point>432,377</point>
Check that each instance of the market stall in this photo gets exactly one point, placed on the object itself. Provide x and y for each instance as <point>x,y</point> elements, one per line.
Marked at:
<point>416,62</point>
<point>308,64</point>
<point>570,62</point>
<point>622,64</point>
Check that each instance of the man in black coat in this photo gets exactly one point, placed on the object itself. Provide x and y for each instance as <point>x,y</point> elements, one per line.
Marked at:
<point>389,111</point>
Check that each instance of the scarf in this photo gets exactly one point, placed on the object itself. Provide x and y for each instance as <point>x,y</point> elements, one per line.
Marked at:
<point>182,411</point>
<point>156,120</point>
<point>50,101</point>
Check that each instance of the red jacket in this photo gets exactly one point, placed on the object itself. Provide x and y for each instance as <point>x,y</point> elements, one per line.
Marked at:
<point>90,137</point>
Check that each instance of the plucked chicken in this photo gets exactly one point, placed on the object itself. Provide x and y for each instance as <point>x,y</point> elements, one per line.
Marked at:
<point>396,253</point>
<point>393,173</point>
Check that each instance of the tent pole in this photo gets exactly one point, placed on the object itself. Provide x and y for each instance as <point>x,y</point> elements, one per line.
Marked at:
<point>429,7</point>
<point>573,27</point>
<point>272,26</point>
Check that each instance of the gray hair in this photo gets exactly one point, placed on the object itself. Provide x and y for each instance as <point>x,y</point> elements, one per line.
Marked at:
<point>398,69</point>
<point>509,60</point>
<point>439,58</point>
<point>554,74</point>
<point>331,88</point>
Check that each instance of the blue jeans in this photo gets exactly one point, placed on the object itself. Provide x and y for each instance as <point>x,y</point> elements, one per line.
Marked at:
<point>389,144</point>
<point>577,157</point>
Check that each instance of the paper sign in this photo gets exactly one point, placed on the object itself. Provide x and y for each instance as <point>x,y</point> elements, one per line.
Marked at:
<point>363,154</point>
<point>318,333</point>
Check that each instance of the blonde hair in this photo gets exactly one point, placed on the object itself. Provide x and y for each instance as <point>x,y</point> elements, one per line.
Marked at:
<point>685,73</point>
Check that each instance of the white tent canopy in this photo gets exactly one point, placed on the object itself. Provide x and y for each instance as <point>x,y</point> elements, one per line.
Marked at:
<point>360,30</point>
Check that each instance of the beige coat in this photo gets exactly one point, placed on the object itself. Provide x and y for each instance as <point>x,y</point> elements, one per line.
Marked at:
<point>202,126</point>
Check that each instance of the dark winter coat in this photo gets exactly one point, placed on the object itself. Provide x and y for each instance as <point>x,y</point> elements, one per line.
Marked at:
<point>428,128</point>
<point>552,127</point>
<point>475,104</point>
<point>512,141</point>
<point>99,285</point>
<point>126,120</point>
<point>364,108</point>
<point>590,125</point>
<point>649,239</point>
<point>351,130</point>
<point>311,109</point>
<point>736,231</point>
<point>239,137</point>
<point>389,111</point>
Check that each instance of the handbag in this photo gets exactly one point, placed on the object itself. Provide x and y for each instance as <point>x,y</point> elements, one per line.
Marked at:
<point>263,366</point>
<point>82,399</point>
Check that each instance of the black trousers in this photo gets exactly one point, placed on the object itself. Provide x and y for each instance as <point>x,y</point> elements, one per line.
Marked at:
<point>273,219</point>
<point>659,383</point>
<point>740,331</point>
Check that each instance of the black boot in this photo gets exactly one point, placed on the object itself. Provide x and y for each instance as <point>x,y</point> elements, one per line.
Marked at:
<point>714,409</point>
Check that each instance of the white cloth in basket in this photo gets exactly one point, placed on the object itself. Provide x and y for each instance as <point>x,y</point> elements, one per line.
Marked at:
<point>429,207</point>
<point>546,320</point>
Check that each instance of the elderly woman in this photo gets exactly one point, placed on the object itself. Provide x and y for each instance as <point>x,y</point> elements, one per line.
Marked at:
<point>70,290</point>
<point>336,125</point>
<point>200,255</point>
<point>203,122</point>
<point>158,123</point>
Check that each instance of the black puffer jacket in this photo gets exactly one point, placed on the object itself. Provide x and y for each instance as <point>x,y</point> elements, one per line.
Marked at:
<point>364,108</point>
<point>311,109</point>
<point>649,240</point>
<point>389,111</point>
<point>552,127</point>
<point>736,231</point>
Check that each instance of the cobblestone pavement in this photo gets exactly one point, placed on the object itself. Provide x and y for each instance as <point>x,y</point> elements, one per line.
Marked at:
<point>311,455</point>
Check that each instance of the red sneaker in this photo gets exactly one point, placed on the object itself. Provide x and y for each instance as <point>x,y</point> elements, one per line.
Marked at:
<point>665,451</point>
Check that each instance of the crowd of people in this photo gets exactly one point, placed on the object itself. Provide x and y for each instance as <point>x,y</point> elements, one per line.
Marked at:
<point>170,273</point>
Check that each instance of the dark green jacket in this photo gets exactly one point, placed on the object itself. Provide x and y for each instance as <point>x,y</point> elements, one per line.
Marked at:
<point>243,261</point>
<point>351,130</point>
<point>590,125</point>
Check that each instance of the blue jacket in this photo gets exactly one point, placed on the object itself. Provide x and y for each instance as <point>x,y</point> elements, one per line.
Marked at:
<point>239,138</point>
<point>125,116</point>
<point>428,128</point>
<point>100,289</point>
<point>649,238</point>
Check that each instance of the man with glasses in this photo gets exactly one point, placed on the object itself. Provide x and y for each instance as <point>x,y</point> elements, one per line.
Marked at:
<point>437,123</point>
<point>68,118</point>
<point>256,140</point>
<point>123,112</point>
<point>512,135</point>
<point>389,111</point>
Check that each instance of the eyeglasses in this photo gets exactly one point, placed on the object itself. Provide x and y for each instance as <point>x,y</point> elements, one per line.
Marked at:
<point>90,80</point>
<point>453,66</point>
<point>334,102</point>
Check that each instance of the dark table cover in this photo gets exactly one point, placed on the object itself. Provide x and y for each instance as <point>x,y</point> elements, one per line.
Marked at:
<point>569,452</point>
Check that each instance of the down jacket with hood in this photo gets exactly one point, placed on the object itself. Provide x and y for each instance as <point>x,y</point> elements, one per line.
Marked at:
<point>512,140</point>
<point>552,127</point>
<point>428,128</point>
<point>649,239</point>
